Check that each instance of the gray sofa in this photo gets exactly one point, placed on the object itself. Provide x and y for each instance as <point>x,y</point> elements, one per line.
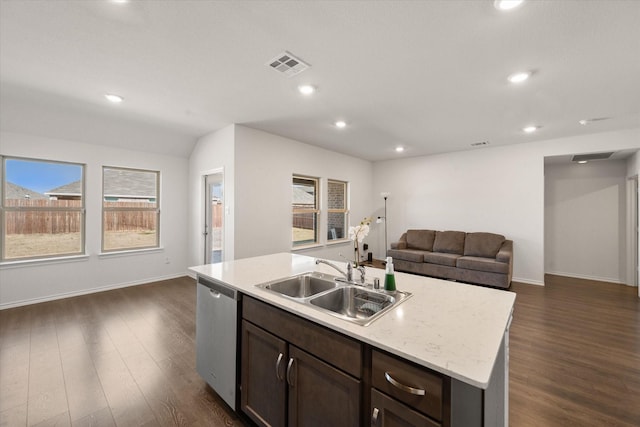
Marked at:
<point>478,258</point>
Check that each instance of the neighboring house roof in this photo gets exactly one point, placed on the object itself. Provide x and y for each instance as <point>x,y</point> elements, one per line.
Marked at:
<point>302,197</point>
<point>129,184</point>
<point>15,191</point>
<point>120,183</point>
<point>71,189</point>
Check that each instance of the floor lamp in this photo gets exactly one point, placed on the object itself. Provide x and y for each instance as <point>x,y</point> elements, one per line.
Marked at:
<point>384,195</point>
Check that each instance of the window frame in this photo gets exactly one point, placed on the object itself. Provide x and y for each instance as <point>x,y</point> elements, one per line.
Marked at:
<point>315,211</point>
<point>106,209</point>
<point>4,209</point>
<point>344,211</point>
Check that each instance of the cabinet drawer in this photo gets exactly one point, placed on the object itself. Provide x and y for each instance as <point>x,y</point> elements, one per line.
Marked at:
<point>416,386</point>
<point>388,412</point>
<point>332,347</point>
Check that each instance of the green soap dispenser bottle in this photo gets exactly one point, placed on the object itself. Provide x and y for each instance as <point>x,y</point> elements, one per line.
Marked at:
<point>389,277</point>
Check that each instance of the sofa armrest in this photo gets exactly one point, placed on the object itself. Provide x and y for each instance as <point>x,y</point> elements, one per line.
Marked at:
<point>400,244</point>
<point>505,254</point>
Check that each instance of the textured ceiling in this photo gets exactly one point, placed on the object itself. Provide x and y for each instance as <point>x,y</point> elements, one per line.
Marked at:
<point>428,75</point>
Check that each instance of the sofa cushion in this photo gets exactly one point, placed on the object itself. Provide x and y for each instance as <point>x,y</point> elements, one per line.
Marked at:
<point>484,245</point>
<point>482,264</point>
<point>450,242</point>
<point>441,258</point>
<point>412,255</point>
<point>420,239</point>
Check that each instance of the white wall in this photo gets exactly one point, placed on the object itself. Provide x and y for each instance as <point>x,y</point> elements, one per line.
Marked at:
<point>585,220</point>
<point>28,283</point>
<point>495,189</point>
<point>265,164</point>
<point>633,260</point>
<point>213,152</point>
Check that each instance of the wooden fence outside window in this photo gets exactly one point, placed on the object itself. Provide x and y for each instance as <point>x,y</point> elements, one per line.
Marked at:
<point>35,218</point>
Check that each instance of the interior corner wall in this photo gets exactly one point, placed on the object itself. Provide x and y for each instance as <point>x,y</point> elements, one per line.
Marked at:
<point>494,189</point>
<point>585,220</point>
<point>27,283</point>
<point>633,222</point>
<point>265,164</point>
<point>212,152</point>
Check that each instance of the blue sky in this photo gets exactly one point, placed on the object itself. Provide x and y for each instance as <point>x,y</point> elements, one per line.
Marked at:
<point>41,176</point>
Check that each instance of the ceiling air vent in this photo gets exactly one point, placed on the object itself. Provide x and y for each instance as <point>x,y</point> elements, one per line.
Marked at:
<point>480,144</point>
<point>593,156</point>
<point>288,64</point>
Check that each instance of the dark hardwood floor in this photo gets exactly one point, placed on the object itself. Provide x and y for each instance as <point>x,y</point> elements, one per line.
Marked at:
<point>575,354</point>
<point>127,358</point>
<point>124,357</point>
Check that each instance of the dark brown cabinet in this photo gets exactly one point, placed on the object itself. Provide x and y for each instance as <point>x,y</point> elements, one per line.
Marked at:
<point>263,389</point>
<point>405,394</point>
<point>296,373</point>
<point>388,412</point>
<point>319,394</point>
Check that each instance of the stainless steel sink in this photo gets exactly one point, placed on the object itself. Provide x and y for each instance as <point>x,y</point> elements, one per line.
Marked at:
<point>357,304</point>
<point>331,294</point>
<point>303,285</point>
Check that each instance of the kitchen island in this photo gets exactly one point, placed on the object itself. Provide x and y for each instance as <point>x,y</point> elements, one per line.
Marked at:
<point>456,333</point>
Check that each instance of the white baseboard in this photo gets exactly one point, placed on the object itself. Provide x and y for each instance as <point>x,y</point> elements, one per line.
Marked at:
<point>527,281</point>
<point>88,291</point>
<point>587,277</point>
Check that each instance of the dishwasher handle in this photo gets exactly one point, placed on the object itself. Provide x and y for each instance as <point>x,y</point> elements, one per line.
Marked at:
<point>218,288</point>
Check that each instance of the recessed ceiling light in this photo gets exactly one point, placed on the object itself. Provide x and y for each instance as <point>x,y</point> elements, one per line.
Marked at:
<point>399,149</point>
<point>340,124</point>
<point>306,89</point>
<point>507,4</point>
<point>582,162</point>
<point>120,1</point>
<point>530,129</point>
<point>519,77</point>
<point>116,99</point>
<point>585,122</point>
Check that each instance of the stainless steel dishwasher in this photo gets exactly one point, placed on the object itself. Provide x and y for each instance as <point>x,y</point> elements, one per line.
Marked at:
<point>216,337</point>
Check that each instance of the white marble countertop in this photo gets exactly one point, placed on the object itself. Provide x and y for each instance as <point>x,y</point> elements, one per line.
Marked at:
<point>450,327</point>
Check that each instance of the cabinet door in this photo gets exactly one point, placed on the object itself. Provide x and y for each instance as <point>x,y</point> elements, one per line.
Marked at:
<point>264,359</point>
<point>388,412</point>
<point>319,394</point>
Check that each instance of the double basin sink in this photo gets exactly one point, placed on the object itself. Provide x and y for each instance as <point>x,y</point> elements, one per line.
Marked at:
<point>349,301</point>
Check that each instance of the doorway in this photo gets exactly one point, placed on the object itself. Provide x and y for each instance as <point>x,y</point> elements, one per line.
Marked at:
<point>590,223</point>
<point>214,218</point>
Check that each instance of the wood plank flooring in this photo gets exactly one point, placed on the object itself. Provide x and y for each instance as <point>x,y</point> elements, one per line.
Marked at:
<point>127,358</point>
<point>118,358</point>
<point>575,354</point>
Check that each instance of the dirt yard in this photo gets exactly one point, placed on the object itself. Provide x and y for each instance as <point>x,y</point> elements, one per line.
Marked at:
<point>26,245</point>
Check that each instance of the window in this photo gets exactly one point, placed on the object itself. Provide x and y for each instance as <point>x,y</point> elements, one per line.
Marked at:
<point>130,213</point>
<point>337,213</point>
<point>305,210</point>
<point>42,209</point>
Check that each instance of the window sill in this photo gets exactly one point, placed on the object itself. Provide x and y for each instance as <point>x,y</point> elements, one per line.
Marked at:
<point>321,245</point>
<point>42,261</point>
<point>338,242</point>
<point>128,252</point>
<point>302,248</point>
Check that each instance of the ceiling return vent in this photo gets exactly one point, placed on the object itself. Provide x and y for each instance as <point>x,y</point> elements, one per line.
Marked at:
<point>479,144</point>
<point>593,156</point>
<point>288,64</point>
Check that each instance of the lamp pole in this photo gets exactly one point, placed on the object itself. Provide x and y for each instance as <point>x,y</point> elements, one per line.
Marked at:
<point>385,195</point>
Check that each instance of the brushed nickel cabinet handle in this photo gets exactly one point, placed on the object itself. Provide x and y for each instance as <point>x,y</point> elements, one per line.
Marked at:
<point>278,363</point>
<point>374,417</point>
<point>289,366</point>
<point>408,389</point>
